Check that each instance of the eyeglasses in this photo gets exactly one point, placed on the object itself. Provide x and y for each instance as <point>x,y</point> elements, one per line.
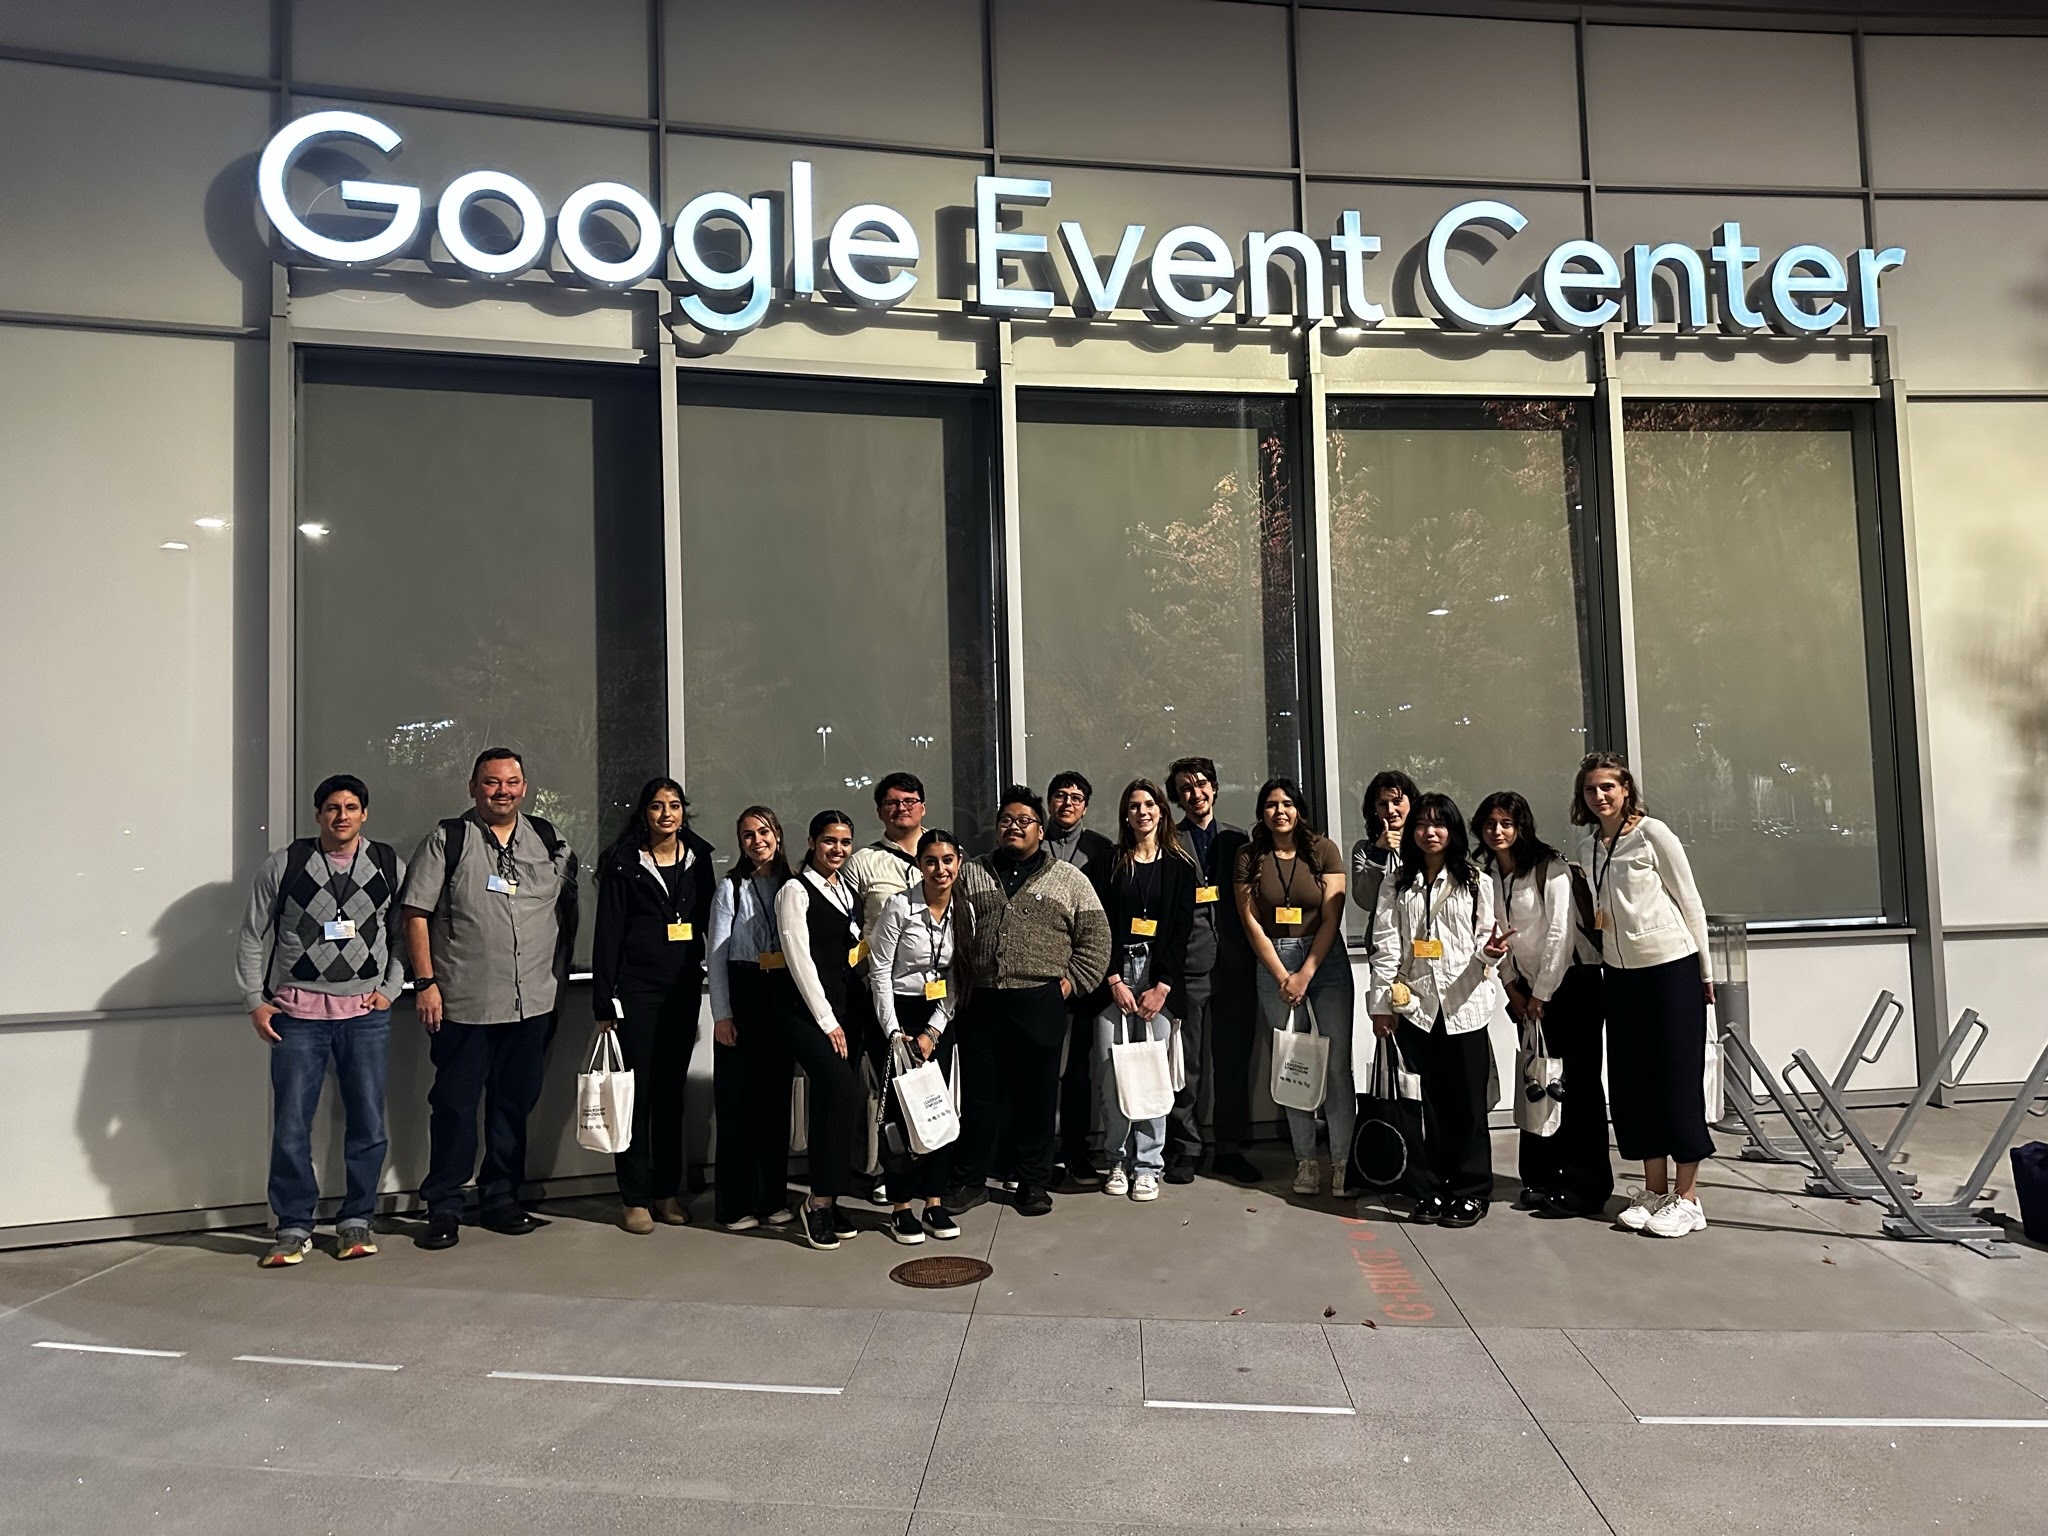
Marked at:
<point>1068,797</point>
<point>1015,823</point>
<point>902,803</point>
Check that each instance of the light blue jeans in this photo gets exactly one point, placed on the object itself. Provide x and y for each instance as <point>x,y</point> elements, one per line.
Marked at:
<point>1330,995</point>
<point>1137,1146</point>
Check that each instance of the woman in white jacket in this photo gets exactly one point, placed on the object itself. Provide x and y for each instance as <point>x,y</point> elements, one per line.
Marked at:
<point>1436,947</point>
<point>1653,957</point>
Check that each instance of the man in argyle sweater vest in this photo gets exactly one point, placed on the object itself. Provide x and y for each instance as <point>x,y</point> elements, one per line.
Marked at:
<point>317,970</point>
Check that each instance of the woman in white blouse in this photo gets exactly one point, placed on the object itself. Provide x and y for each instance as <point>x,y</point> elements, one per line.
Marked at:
<point>1552,977</point>
<point>1652,932</point>
<point>915,979</point>
<point>1436,945</point>
<point>818,918</point>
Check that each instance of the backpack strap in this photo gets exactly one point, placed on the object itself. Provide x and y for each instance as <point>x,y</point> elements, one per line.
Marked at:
<point>385,857</point>
<point>550,839</point>
<point>295,856</point>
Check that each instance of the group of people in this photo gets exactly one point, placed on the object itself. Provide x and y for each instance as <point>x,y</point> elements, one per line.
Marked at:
<point>1019,971</point>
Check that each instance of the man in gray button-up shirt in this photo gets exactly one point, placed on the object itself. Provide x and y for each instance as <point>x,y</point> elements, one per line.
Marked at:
<point>490,919</point>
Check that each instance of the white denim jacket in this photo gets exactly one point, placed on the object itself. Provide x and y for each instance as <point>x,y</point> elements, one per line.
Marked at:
<point>1462,984</point>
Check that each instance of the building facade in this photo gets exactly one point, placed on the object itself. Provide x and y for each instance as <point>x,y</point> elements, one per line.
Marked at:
<point>782,394</point>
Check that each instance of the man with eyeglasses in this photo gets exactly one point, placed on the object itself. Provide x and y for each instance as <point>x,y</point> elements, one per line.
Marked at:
<point>886,866</point>
<point>1220,1000</point>
<point>1066,804</point>
<point>1039,940</point>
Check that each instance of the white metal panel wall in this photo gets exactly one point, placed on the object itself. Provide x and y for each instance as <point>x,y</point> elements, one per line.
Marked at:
<point>1971,302</point>
<point>1957,111</point>
<point>1815,993</point>
<point>228,35</point>
<point>2003,976</point>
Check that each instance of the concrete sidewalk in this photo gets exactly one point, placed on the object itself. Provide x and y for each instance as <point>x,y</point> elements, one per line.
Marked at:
<point>1224,1359</point>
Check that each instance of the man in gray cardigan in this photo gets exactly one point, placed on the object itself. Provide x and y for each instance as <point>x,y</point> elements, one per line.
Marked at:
<point>1039,938</point>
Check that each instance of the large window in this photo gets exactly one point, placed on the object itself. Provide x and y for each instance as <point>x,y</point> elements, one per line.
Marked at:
<point>838,618</point>
<point>1159,570</point>
<point>479,564</point>
<point>1748,548</point>
<point>1458,560</point>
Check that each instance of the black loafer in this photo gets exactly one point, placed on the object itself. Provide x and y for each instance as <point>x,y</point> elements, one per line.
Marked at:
<point>444,1230</point>
<point>1032,1201</point>
<point>1235,1165</point>
<point>1463,1213</point>
<point>1533,1199</point>
<point>939,1222</point>
<point>1429,1210</point>
<point>511,1222</point>
<point>1180,1173</point>
<point>966,1198</point>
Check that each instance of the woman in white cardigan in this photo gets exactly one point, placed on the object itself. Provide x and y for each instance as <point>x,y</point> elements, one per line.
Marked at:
<point>1436,946</point>
<point>1652,931</point>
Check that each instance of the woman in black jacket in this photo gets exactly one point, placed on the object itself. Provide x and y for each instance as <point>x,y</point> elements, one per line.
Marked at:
<point>1148,894</point>
<point>653,907</point>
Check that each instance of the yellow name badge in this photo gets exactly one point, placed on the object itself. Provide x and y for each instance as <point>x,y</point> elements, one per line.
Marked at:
<point>771,960</point>
<point>1144,927</point>
<point>681,933</point>
<point>1206,894</point>
<point>858,953</point>
<point>1287,915</point>
<point>1602,921</point>
<point>934,990</point>
<point>1427,949</point>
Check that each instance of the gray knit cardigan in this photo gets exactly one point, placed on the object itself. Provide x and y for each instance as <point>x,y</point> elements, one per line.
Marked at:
<point>1054,926</point>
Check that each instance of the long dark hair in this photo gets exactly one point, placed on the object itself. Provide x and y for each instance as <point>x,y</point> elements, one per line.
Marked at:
<point>819,823</point>
<point>1381,782</point>
<point>1530,851</point>
<point>634,835</point>
<point>962,912</point>
<point>1127,840</point>
<point>1437,811</point>
<point>1305,833</point>
<point>743,867</point>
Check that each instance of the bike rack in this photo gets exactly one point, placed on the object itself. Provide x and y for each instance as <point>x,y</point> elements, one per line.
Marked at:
<point>1950,1221</point>
<point>1942,1074</point>
<point>1798,1115</point>
<point>1762,1146</point>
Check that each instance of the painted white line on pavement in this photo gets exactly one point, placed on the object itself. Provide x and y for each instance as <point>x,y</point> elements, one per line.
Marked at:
<point>1163,1402</point>
<point>331,1365</point>
<point>109,1349</point>
<point>1768,1421</point>
<point>656,1381</point>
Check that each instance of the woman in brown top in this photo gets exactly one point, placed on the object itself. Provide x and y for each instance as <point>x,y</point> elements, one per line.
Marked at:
<point>1290,895</point>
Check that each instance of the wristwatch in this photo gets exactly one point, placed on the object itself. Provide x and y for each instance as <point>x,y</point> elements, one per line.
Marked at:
<point>421,983</point>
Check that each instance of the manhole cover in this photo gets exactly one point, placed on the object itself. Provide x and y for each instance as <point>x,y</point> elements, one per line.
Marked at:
<point>940,1274</point>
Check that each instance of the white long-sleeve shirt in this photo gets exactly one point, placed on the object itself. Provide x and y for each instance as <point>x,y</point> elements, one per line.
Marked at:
<point>1537,905</point>
<point>793,919</point>
<point>1644,887</point>
<point>1460,984</point>
<point>907,950</point>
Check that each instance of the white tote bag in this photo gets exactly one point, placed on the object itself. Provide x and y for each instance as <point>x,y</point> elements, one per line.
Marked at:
<point>1537,1110</point>
<point>926,1099</point>
<point>1301,1063</point>
<point>604,1097</point>
<point>1710,1078</point>
<point>1144,1073</point>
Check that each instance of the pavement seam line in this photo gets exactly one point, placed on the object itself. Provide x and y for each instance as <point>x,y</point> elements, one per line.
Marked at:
<point>75,1284</point>
<point>1338,1366</point>
<point>939,1423</point>
<point>1541,1428</point>
<point>1996,1370</point>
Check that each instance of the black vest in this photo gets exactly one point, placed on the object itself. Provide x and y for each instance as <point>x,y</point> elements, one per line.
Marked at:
<point>833,935</point>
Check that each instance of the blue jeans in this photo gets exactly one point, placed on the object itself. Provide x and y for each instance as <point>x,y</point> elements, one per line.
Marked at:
<point>1330,995</point>
<point>1137,1146</point>
<point>358,1048</point>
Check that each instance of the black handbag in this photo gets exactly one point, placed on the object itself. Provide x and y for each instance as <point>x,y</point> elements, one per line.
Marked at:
<point>2030,1188</point>
<point>1386,1152</point>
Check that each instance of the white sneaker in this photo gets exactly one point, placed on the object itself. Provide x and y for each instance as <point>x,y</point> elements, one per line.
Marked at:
<point>1340,1186</point>
<point>742,1224</point>
<point>1145,1187</point>
<point>1676,1217</point>
<point>1642,1205</point>
<point>1118,1183</point>
<point>1308,1177</point>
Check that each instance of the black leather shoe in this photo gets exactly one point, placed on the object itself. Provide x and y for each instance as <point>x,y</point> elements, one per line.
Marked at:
<point>1564,1207</point>
<point>1182,1172</point>
<point>1429,1210</point>
<point>966,1198</point>
<point>1463,1213</point>
<point>510,1222</point>
<point>1235,1165</point>
<point>444,1230</point>
<point>1533,1199</point>
<point>1032,1201</point>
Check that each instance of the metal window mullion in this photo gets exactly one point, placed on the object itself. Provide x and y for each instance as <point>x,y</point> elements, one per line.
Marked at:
<point>1613,512</point>
<point>1322,631</point>
<point>282,552</point>
<point>1010,558</point>
<point>666,381</point>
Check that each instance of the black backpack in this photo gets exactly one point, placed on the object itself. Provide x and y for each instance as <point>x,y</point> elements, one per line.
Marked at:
<point>455,836</point>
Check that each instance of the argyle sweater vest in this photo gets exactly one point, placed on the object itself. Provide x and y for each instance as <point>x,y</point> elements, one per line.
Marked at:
<point>308,900</point>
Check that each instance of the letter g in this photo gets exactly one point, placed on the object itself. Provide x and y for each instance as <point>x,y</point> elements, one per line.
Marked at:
<point>284,150</point>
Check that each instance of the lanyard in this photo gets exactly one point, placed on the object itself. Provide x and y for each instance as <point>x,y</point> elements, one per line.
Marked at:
<point>1287,886</point>
<point>350,875</point>
<point>670,897</point>
<point>508,867</point>
<point>1432,903</point>
<point>764,910</point>
<point>1145,883</point>
<point>935,933</point>
<point>1600,869</point>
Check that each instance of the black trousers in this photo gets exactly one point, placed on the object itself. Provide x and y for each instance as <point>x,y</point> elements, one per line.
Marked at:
<point>1230,1026</point>
<point>750,1089</point>
<point>1010,1052</point>
<point>1455,1144</point>
<point>657,1034</point>
<point>909,1176</point>
<point>503,1065</point>
<point>838,1099</point>
<point>1077,1085</point>
<point>1656,1061</point>
<point>1574,1161</point>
